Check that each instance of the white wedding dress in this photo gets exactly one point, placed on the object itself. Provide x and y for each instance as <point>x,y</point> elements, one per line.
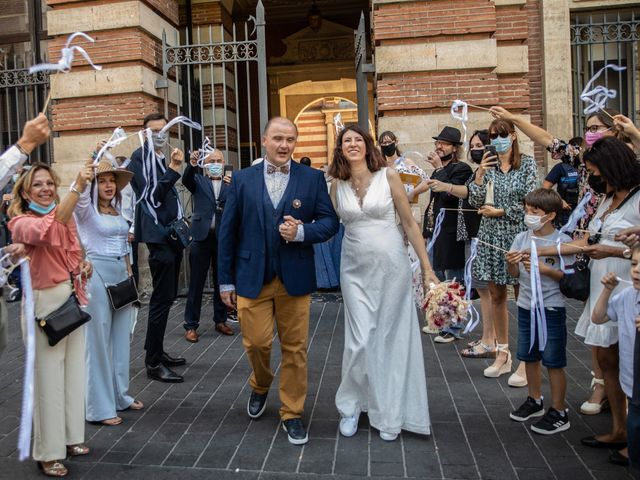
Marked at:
<point>382,366</point>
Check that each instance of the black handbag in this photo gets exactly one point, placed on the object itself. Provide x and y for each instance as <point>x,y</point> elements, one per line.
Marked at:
<point>179,234</point>
<point>63,321</point>
<point>122,294</point>
<point>577,284</point>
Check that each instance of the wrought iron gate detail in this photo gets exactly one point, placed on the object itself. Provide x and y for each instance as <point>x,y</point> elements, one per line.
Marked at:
<point>362,68</point>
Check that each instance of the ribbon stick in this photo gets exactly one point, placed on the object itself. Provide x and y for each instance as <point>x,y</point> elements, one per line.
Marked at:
<point>474,316</point>
<point>64,64</point>
<point>29,318</point>
<point>436,229</point>
<point>538,316</point>
<point>205,150</point>
<point>596,98</point>
<point>183,120</point>
<point>460,111</point>
<point>578,213</point>
<point>337,122</point>
<point>117,137</point>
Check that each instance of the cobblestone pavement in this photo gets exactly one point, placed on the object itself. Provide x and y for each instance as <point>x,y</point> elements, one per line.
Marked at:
<point>199,429</point>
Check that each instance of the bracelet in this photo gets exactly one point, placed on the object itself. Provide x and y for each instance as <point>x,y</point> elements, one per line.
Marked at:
<point>72,188</point>
<point>22,150</point>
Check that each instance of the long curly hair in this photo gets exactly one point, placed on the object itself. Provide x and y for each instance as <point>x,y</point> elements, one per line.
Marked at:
<point>340,167</point>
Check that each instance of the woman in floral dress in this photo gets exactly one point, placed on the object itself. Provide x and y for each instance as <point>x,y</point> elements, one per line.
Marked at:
<point>513,176</point>
<point>598,125</point>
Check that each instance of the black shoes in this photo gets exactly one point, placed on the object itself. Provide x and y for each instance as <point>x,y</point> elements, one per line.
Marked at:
<point>170,361</point>
<point>256,404</point>
<point>295,431</point>
<point>527,410</point>
<point>616,458</point>
<point>552,422</point>
<point>593,442</point>
<point>162,373</point>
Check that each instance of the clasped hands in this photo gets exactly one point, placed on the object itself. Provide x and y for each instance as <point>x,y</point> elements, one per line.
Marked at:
<point>289,228</point>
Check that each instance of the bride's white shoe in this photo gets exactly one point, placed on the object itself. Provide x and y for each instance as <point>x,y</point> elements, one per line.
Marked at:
<point>349,426</point>
<point>388,437</point>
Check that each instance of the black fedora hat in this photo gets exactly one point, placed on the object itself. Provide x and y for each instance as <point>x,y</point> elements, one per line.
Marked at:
<point>449,134</point>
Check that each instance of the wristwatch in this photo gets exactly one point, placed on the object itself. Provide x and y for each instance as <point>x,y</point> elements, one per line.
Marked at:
<point>626,253</point>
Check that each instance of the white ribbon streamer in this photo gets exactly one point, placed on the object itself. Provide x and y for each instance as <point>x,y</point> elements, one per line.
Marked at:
<point>538,316</point>
<point>460,111</point>
<point>205,150</point>
<point>576,215</point>
<point>436,229</point>
<point>474,316</point>
<point>29,318</point>
<point>596,98</point>
<point>183,120</point>
<point>67,54</point>
<point>337,122</point>
<point>117,137</point>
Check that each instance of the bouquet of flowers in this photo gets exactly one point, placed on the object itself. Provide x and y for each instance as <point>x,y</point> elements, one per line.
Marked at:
<point>445,305</point>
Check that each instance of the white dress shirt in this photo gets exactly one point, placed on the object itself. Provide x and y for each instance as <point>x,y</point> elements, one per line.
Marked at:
<point>10,162</point>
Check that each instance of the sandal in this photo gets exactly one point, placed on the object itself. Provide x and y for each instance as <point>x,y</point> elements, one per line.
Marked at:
<point>480,350</point>
<point>77,450</point>
<point>53,469</point>
<point>109,422</point>
<point>591,408</point>
<point>136,405</point>
<point>474,343</point>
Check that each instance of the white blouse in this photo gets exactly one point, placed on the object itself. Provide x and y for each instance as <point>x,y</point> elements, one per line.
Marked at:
<point>100,234</point>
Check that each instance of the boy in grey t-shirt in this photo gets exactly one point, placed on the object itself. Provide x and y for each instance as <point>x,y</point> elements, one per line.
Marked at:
<point>541,208</point>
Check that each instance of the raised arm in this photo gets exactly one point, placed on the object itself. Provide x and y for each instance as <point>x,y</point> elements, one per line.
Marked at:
<point>536,134</point>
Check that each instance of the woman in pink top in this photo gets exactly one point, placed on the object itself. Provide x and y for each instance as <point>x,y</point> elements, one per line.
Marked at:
<point>45,225</point>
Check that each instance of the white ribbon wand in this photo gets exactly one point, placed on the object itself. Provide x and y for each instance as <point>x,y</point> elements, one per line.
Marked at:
<point>64,64</point>
<point>337,122</point>
<point>596,98</point>
<point>28,311</point>
<point>117,137</point>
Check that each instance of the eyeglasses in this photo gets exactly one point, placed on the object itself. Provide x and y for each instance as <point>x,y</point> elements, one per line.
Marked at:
<point>494,135</point>
<point>440,143</point>
<point>597,128</point>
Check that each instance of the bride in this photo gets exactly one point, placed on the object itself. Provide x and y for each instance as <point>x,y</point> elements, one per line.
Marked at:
<point>382,366</point>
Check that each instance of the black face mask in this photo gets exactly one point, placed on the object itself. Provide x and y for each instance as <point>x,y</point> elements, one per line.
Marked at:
<point>446,158</point>
<point>476,155</point>
<point>597,183</point>
<point>388,150</point>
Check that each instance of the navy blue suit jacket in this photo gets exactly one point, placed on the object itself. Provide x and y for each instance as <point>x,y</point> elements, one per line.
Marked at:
<point>146,229</point>
<point>242,242</point>
<point>205,203</point>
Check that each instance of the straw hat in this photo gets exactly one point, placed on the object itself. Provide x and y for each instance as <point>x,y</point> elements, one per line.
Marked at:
<point>122,176</point>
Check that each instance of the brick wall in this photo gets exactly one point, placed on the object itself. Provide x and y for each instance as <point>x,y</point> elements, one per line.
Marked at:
<point>534,27</point>
<point>218,97</point>
<point>218,141</point>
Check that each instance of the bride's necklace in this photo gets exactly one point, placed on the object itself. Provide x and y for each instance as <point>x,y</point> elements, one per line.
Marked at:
<point>360,186</point>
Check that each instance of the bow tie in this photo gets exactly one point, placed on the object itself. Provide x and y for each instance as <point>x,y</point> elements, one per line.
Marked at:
<point>272,169</point>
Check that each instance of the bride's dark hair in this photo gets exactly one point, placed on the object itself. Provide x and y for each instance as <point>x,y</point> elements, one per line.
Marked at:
<point>340,167</point>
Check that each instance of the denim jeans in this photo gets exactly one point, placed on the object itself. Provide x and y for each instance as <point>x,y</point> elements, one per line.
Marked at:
<point>633,437</point>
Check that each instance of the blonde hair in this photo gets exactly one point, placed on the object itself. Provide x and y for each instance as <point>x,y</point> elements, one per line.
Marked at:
<point>19,205</point>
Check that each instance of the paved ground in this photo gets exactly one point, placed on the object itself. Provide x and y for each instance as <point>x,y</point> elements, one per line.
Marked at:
<point>199,429</point>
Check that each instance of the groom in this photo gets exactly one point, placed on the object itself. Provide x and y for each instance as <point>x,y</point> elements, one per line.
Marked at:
<point>275,212</point>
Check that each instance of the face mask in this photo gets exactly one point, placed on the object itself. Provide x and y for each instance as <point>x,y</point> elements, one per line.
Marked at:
<point>591,138</point>
<point>446,158</point>
<point>502,144</point>
<point>15,177</point>
<point>534,222</point>
<point>214,169</point>
<point>388,150</point>
<point>40,209</point>
<point>476,155</point>
<point>597,183</point>
<point>159,141</point>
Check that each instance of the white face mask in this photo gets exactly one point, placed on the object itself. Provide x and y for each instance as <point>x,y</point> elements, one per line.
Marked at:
<point>534,222</point>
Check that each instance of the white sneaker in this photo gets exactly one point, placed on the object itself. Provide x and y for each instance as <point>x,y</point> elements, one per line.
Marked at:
<point>349,426</point>
<point>445,337</point>
<point>430,330</point>
<point>388,437</point>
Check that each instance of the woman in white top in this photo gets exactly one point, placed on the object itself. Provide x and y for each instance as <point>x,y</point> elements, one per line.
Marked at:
<point>104,233</point>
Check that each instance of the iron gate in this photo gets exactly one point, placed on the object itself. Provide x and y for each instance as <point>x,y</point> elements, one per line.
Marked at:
<point>362,68</point>
<point>222,83</point>
<point>21,98</point>
<point>598,39</point>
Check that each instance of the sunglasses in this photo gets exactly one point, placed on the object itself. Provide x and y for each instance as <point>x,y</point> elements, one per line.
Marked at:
<point>494,135</point>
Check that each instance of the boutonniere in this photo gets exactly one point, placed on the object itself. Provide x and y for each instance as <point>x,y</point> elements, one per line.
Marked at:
<point>297,203</point>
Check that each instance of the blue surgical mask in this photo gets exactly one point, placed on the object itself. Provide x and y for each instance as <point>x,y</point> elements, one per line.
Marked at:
<point>15,177</point>
<point>502,144</point>
<point>215,169</point>
<point>40,209</point>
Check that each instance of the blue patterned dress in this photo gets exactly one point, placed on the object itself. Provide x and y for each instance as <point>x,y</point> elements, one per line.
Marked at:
<point>509,191</point>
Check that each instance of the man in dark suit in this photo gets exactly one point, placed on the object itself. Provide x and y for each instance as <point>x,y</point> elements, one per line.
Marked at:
<point>159,205</point>
<point>209,191</point>
<point>274,213</point>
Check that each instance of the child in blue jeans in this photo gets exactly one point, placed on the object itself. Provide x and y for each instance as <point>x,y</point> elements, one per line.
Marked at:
<point>541,208</point>
<point>624,308</point>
